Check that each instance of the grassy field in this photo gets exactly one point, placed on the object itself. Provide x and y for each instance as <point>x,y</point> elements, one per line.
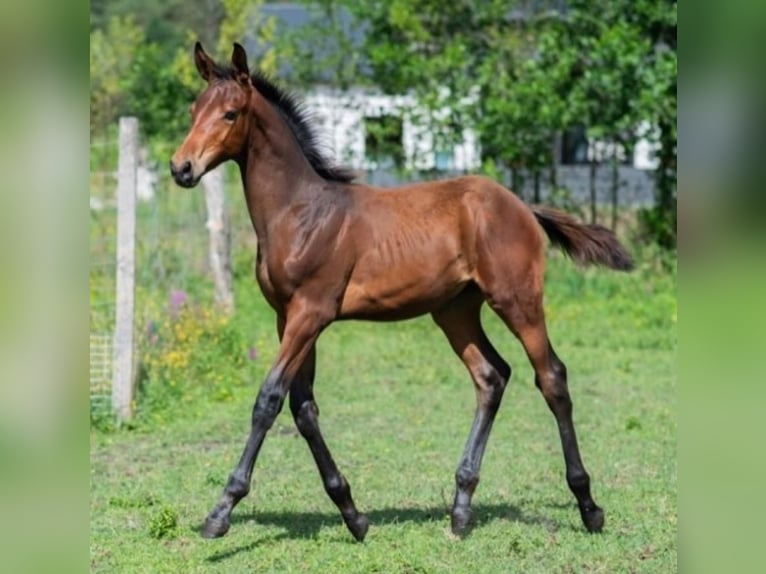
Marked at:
<point>396,406</point>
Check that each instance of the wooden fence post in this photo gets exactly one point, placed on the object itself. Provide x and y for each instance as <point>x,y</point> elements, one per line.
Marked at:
<point>220,239</point>
<point>123,377</point>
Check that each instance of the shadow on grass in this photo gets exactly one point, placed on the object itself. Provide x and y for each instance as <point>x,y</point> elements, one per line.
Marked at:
<point>306,525</point>
<point>226,554</point>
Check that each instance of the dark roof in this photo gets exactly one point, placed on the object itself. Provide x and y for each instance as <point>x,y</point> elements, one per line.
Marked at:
<point>290,17</point>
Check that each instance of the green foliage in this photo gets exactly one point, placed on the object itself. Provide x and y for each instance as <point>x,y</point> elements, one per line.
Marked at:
<point>130,76</point>
<point>158,96</point>
<point>241,17</point>
<point>322,51</point>
<point>141,59</point>
<point>164,523</point>
<point>619,71</point>
<point>112,53</point>
<point>188,353</point>
<point>659,225</point>
<point>165,23</point>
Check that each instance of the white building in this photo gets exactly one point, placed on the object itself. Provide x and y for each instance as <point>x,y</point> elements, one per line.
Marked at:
<point>351,123</point>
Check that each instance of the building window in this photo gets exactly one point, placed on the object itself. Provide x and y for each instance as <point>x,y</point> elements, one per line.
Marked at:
<point>444,159</point>
<point>383,147</point>
<point>574,146</point>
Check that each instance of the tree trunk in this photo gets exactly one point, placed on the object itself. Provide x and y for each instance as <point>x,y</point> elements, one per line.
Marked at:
<point>666,185</point>
<point>220,239</point>
<point>552,174</point>
<point>615,188</point>
<point>536,182</point>
<point>593,166</point>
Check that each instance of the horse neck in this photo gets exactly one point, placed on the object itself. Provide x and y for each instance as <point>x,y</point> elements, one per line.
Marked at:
<point>275,172</point>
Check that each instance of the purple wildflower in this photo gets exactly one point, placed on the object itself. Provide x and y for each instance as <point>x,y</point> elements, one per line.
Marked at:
<point>252,353</point>
<point>178,299</point>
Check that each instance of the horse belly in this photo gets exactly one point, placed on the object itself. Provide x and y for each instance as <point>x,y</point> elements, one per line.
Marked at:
<point>402,291</point>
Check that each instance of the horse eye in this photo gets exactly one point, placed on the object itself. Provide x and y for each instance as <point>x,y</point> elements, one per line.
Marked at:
<point>230,116</point>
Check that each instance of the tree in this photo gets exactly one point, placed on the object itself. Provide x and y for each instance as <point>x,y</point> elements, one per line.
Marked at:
<point>240,17</point>
<point>434,51</point>
<point>113,51</point>
<point>659,98</point>
<point>535,69</point>
<point>145,68</point>
<point>521,110</point>
<point>323,51</point>
<point>164,23</point>
<point>617,78</point>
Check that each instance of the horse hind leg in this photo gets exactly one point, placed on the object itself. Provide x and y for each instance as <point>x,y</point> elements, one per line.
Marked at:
<point>522,311</point>
<point>460,322</point>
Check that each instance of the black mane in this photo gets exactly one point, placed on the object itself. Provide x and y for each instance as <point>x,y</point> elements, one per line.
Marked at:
<point>298,117</point>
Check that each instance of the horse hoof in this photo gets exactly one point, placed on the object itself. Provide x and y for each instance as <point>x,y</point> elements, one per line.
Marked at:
<point>593,519</point>
<point>461,519</point>
<point>358,527</point>
<point>215,527</point>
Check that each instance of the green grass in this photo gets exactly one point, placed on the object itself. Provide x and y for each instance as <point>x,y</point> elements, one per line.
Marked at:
<point>396,406</point>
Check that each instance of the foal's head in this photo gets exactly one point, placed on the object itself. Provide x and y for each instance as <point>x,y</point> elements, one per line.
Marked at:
<point>220,122</point>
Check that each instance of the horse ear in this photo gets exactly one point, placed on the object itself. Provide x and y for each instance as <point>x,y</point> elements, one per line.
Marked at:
<point>205,65</point>
<point>239,61</point>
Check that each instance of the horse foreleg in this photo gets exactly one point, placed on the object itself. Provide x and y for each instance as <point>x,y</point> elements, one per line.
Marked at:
<point>306,415</point>
<point>301,330</point>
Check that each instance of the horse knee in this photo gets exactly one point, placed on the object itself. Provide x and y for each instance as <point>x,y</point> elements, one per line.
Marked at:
<point>559,368</point>
<point>305,416</point>
<point>268,405</point>
<point>553,385</point>
<point>491,381</point>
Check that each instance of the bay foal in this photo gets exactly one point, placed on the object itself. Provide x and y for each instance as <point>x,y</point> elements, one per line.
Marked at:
<point>331,249</point>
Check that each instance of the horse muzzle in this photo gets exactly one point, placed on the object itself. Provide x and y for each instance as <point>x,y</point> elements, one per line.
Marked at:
<point>183,174</point>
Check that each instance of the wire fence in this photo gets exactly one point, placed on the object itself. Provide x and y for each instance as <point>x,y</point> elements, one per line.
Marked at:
<point>172,253</point>
<point>103,241</point>
<point>100,375</point>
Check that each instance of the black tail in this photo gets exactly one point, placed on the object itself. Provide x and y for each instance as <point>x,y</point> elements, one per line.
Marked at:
<point>586,244</point>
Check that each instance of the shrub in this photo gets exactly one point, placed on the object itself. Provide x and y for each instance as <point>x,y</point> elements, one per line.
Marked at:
<point>163,523</point>
<point>191,352</point>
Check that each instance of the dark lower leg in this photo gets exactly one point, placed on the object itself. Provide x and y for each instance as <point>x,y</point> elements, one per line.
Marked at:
<point>489,394</point>
<point>553,385</point>
<point>461,322</point>
<point>305,413</point>
<point>467,475</point>
<point>267,407</point>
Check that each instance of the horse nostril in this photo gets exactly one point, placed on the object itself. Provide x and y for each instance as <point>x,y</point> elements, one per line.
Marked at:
<point>182,174</point>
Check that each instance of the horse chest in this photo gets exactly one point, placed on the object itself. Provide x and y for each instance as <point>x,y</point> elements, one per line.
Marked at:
<point>281,275</point>
<point>265,280</point>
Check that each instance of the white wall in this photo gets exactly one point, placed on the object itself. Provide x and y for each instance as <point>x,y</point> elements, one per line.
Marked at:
<point>340,119</point>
